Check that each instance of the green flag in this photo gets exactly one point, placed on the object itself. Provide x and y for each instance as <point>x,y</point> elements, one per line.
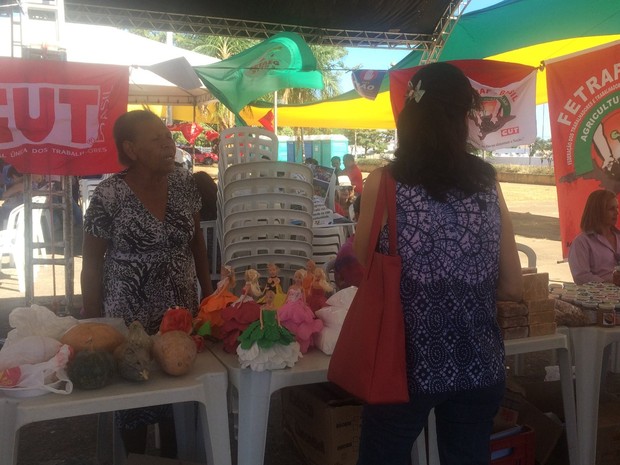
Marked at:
<point>280,62</point>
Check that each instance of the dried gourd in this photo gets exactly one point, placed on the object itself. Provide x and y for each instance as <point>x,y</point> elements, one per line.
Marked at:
<point>91,369</point>
<point>132,362</point>
<point>175,352</point>
<point>93,336</point>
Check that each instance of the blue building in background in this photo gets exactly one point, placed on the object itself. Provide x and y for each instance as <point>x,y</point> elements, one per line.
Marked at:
<point>320,147</point>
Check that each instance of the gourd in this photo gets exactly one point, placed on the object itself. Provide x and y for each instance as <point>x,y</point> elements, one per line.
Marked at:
<point>91,369</point>
<point>133,357</point>
<point>133,362</point>
<point>93,336</point>
<point>175,352</point>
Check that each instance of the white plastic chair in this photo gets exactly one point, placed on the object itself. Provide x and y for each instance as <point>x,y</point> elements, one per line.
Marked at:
<point>259,186</point>
<point>267,169</point>
<point>268,202</point>
<point>268,247</point>
<point>209,233</point>
<point>269,233</point>
<point>12,239</point>
<point>268,217</point>
<point>87,187</point>
<point>529,253</point>
<point>246,144</point>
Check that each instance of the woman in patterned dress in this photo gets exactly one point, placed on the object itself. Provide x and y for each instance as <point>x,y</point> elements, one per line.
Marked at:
<point>143,248</point>
<point>458,256</point>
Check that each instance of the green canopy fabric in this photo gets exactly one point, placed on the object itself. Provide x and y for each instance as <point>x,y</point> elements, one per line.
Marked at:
<point>518,31</point>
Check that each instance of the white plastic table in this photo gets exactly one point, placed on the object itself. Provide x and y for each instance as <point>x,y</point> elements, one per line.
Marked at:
<point>206,384</point>
<point>589,343</point>
<point>255,389</point>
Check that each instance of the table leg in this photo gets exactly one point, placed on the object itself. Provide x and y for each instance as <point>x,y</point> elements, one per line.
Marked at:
<point>9,432</point>
<point>568,399</point>
<point>588,364</point>
<point>214,416</point>
<point>254,400</point>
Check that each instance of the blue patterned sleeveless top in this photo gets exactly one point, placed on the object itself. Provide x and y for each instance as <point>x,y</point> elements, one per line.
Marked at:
<point>450,267</point>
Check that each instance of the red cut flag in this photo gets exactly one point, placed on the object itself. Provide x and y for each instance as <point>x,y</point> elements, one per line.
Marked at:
<point>508,93</point>
<point>267,121</point>
<point>584,111</point>
<point>56,117</point>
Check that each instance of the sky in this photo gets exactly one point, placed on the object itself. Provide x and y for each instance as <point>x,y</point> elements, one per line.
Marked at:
<point>368,58</point>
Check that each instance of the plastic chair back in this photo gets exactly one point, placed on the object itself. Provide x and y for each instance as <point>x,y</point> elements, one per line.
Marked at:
<point>246,144</point>
<point>268,169</point>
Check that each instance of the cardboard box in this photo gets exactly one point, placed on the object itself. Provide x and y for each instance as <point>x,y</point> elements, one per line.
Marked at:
<point>139,459</point>
<point>512,322</point>
<point>544,305</point>
<point>535,286</point>
<point>323,422</point>
<point>543,317</point>
<point>507,309</point>
<point>542,329</point>
<point>547,430</point>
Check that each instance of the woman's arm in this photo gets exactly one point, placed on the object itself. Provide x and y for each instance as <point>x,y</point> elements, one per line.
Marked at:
<point>201,259</point>
<point>367,210</point>
<point>93,253</point>
<point>509,283</point>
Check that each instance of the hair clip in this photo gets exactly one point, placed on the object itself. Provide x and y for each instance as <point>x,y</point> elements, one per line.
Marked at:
<point>418,92</point>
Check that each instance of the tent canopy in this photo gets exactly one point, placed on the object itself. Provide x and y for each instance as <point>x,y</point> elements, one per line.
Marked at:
<point>518,31</point>
<point>386,23</point>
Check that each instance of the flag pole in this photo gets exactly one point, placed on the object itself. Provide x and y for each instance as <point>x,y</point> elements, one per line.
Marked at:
<point>275,112</point>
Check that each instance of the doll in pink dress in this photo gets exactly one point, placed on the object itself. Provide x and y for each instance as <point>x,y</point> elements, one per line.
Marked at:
<point>296,316</point>
<point>212,306</point>
<point>273,284</point>
<point>238,315</point>
<point>317,298</point>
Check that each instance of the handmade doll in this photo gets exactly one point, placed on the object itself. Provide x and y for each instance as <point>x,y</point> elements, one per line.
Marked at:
<point>307,281</point>
<point>296,316</point>
<point>212,306</point>
<point>266,344</point>
<point>317,298</point>
<point>273,284</point>
<point>238,315</point>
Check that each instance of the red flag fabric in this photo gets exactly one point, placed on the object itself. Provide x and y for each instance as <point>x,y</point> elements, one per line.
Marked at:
<point>56,117</point>
<point>584,111</point>
<point>212,135</point>
<point>190,131</point>
<point>508,93</point>
<point>367,82</point>
<point>267,121</point>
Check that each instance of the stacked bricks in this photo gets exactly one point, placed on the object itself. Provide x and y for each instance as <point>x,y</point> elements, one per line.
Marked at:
<point>512,319</point>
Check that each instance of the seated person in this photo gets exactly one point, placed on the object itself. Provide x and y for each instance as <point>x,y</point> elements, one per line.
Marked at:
<point>345,196</point>
<point>347,269</point>
<point>207,188</point>
<point>595,251</point>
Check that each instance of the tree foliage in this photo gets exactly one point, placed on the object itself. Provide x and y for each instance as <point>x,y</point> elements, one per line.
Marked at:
<point>371,140</point>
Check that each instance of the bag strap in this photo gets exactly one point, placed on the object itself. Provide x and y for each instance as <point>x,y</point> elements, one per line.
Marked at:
<point>386,198</point>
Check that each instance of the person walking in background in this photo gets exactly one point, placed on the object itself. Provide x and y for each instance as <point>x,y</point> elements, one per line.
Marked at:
<point>595,252</point>
<point>459,256</point>
<point>335,161</point>
<point>353,171</point>
<point>143,249</point>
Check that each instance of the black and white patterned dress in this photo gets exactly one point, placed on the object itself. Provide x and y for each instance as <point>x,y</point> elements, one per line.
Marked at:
<point>149,265</point>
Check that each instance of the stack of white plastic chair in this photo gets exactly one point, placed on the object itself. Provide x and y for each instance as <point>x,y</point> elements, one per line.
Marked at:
<point>264,206</point>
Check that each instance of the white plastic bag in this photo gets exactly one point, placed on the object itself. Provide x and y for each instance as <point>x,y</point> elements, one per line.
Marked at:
<point>28,350</point>
<point>41,378</point>
<point>37,320</point>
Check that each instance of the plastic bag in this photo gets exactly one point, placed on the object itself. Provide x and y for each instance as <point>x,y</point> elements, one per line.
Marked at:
<point>28,350</point>
<point>41,378</point>
<point>37,320</point>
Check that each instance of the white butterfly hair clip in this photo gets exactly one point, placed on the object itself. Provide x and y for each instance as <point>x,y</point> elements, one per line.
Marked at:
<point>416,93</point>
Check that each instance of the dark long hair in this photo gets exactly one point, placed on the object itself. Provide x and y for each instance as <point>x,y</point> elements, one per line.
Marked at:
<point>432,134</point>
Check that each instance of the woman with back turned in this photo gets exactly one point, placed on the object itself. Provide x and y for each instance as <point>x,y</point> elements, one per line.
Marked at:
<point>458,256</point>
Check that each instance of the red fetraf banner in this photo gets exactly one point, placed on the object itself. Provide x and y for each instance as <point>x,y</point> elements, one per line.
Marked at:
<point>584,110</point>
<point>56,117</point>
<point>508,93</point>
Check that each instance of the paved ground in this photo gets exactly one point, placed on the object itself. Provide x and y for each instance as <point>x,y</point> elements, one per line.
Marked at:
<point>72,442</point>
